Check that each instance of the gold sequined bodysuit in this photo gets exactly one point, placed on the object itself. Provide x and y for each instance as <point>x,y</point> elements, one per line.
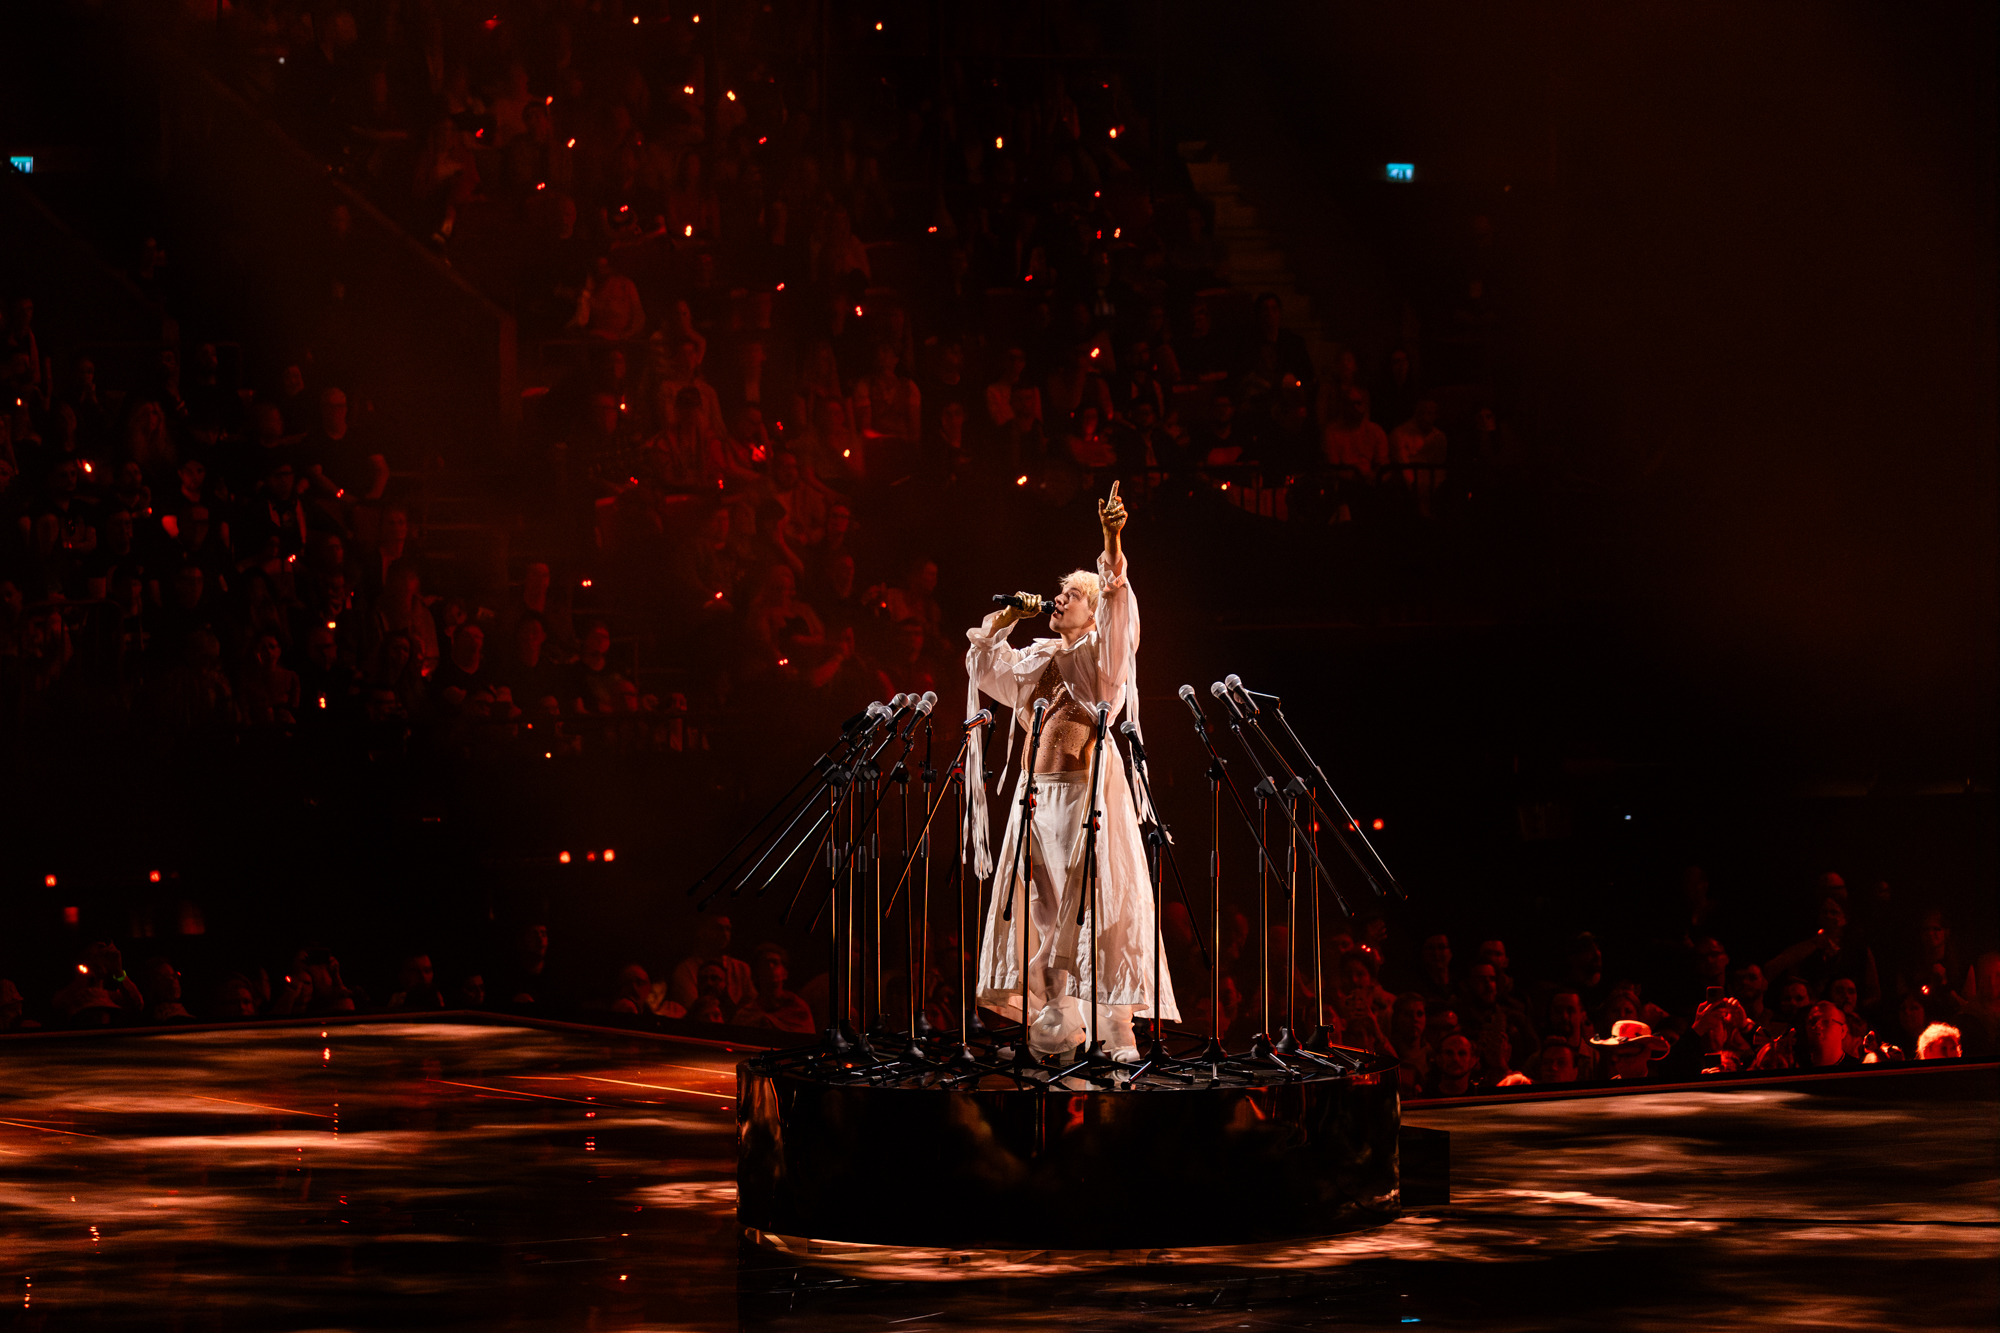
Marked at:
<point>1068,729</point>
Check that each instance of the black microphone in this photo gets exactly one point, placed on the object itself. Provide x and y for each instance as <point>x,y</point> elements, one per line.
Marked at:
<point>1220,691</point>
<point>1013,599</point>
<point>1194,706</point>
<point>1235,684</point>
<point>982,718</point>
<point>1130,731</point>
<point>897,707</point>
<point>1103,717</point>
<point>923,707</point>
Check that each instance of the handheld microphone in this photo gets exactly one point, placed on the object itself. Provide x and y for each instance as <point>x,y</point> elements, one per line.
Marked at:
<point>1014,600</point>
<point>982,718</point>
<point>1103,717</point>
<point>1041,707</point>
<point>1130,731</point>
<point>1221,692</point>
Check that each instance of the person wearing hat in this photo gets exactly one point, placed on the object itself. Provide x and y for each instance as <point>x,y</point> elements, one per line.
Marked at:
<point>1630,1050</point>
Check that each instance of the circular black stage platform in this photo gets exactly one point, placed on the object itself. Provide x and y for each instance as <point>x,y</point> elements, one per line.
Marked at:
<point>928,1154</point>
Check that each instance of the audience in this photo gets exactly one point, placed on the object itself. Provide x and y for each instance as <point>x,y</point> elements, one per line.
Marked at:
<point>751,342</point>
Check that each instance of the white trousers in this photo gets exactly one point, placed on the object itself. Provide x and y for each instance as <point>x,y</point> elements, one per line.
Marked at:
<point>1062,1021</point>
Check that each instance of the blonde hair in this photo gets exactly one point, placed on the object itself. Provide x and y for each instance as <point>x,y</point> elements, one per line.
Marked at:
<point>1932,1041</point>
<point>1085,582</point>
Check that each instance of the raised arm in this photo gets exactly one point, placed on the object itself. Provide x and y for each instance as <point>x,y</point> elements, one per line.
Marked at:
<point>989,656</point>
<point>1117,608</point>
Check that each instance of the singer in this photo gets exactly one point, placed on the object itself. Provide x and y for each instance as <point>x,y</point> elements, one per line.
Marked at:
<point>1091,660</point>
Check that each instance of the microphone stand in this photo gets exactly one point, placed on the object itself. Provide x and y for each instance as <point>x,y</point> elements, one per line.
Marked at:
<point>963,1058</point>
<point>828,768</point>
<point>1262,1047</point>
<point>851,737</point>
<point>878,926</point>
<point>1320,1038</point>
<point>1024,869</point>
<point>1347,823</point>
<point>840,981</point>
<point>920,970</point>
<point>1218,777</point>
<point>1157,1056</point>
<point>1094,1054</point>
<point>1245,710</point>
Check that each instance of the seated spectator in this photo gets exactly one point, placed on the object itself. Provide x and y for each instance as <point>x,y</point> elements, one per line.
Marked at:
<point>1354,1003</point>
<point>415,987</point>
<point>160,981</point>
<point>1724,1034</point>
<point>530,678</point>
<point>1496,1060</point>
<point>640,994</point>
<point>712,946</point>
<point>525,980</point>
<point>1817,1041</point>
<point>1583,971</point>
<point>1555,1063</point>
<point>12,1009</point>
<point>1453,1073</point>
<point>1434,980</point>
<point>1979,1019</point>
<point>1480,1010</point>
<point>471,992</point>
<point>594,685</point>
<point>235,999</point>
<point>1933,965</point>
<point>1940,1041</point>
<point>1630,1050</point>
<point>1794,997</point>
<point>100,993</point>
<point>1747,987</point>
<point>888,406</point>
<point>1418,446</point>
<point>267,693</point>
<point>462,673</point>
<point>711,998</point>
<point>401,610</point>
<point>610,307</point>
<point>1406,1037</point>
<point>772,1006</point>
<point>1351,440</point>
<point>1494,953</point>
<point>1911,1020</point>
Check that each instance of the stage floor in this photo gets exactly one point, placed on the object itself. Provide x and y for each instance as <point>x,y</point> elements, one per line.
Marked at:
<point>461,1176</point>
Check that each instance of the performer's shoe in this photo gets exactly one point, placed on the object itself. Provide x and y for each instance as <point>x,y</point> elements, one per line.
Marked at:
<point>1119,1039</point>
<point>1052,1034</point>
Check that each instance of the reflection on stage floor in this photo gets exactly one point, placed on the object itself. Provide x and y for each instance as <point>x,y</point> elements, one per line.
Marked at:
<point>458,1175</point>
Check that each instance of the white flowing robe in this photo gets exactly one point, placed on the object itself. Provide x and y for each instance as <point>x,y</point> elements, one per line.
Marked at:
<point>1100,667</point>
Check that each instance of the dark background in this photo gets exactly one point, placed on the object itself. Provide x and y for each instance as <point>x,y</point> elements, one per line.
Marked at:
<point>1747,260</point>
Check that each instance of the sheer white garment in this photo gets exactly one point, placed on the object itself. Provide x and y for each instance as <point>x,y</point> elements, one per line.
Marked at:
<point>1100,667</point>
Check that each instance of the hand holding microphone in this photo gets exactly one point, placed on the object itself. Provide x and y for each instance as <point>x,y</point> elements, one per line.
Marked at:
<point>1020,606</point>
